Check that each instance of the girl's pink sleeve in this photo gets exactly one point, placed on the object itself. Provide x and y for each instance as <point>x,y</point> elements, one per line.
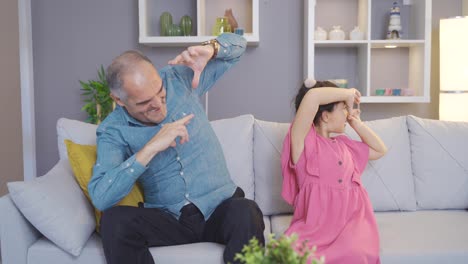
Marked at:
<point>360,153</point>
<point>290,187</point>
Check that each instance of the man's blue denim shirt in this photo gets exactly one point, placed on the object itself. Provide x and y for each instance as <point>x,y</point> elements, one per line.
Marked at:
<point>193,172</point>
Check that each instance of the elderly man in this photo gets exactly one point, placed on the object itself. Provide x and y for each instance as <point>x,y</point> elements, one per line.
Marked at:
<point>160,137</point>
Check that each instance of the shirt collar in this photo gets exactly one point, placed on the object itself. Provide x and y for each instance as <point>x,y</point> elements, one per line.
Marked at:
<point>128,118</point>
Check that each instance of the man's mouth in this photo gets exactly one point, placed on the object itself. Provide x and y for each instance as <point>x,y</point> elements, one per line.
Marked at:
<point>155,110</point>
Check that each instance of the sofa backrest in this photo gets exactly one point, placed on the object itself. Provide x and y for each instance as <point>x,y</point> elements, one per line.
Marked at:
<point>235,135</point>
<point>432,150</point>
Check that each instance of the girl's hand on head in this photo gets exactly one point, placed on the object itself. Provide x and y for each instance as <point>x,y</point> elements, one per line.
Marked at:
<point>354,116</point>
<point>354,97</point>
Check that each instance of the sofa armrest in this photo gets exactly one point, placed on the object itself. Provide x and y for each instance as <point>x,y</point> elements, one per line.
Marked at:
<point>16,233</point>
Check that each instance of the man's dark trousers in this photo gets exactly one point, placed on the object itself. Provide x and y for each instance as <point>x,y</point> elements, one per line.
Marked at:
<point>128,232</point>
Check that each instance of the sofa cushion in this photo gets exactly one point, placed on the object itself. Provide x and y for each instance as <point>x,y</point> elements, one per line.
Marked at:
<point>423,237</point>
<point>55,205</point>
<point>235,135</point>
<point>76,131</point>
<point>440,163</point>
<point>45,252</point>
<point>236,138</point>
<point>414,237</point>
<point>82,159</point>
<point>268,144</point>
<point>389,180</point>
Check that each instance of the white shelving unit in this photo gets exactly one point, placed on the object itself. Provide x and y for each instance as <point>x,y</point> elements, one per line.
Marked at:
<point>203,14</point>
<point>368,64</point>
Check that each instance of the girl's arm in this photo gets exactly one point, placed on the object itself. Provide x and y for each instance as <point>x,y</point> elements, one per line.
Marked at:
<point>377,148</point>
<point>308,109</point>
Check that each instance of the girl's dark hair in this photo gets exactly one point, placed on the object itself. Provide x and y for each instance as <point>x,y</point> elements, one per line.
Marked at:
<point>327,107</point>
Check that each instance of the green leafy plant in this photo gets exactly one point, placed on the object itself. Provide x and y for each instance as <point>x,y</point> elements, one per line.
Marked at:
<point>98,103</point>
<point>278,251</point>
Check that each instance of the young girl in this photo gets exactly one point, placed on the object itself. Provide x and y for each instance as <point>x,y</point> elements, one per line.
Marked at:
<point>322,175</point>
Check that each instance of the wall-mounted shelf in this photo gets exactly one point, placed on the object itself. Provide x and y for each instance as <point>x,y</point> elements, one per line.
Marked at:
<point>374,63</point>
<point>203,14</point>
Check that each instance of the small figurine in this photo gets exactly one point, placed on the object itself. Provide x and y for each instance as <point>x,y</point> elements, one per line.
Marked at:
<point>394,26</point>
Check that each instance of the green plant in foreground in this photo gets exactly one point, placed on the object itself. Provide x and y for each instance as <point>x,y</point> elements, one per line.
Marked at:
<point>278,251</point>
<point>98,103</point>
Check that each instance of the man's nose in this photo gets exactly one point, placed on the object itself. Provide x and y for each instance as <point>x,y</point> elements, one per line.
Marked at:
<point>156,102</point>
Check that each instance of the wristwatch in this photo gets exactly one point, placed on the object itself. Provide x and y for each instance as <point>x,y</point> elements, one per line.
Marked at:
<point>215,44</point>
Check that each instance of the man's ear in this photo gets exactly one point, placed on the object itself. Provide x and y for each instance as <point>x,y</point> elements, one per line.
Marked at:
<point>117,100</point>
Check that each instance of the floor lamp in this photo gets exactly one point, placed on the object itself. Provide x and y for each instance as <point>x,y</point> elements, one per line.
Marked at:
<point>453,104</point>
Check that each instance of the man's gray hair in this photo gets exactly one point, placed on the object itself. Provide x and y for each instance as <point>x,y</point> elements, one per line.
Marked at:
<point>120,66</point>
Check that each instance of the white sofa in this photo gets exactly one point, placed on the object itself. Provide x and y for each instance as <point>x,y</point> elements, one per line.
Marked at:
<point>419,191</point>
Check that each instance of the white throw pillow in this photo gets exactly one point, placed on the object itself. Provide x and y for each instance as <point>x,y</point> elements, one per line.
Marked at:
<point>268,144</point>
<point>77,131</point>
<point>389,180</point>
<point>440,163</point>
<point>236,138</point>
<point>55,205</point>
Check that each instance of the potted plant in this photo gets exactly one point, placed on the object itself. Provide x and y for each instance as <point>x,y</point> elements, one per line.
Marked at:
<point>284,250</point>
<point>98,103</point>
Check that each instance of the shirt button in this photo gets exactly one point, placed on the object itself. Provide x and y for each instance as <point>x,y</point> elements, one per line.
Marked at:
<point>178,158</point>
<point>184,114</point>
<point>340,163</point>
<point>132,170</point>
<point>181,173</point>
<point>127,164</point>
<point>110,181</point>
<point>187,195</point>
<point>340,180</point>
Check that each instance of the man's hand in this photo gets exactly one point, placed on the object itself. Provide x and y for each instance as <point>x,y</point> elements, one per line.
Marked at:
<point>196,58</point>
<point>165,138</point>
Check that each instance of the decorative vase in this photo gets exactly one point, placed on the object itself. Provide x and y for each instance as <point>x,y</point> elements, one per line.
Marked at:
<point>222,25</point>
<point>320,34</point>
<point>336,34</point>
<point>174,30</point>
<point>356,34</point>
<point>231,20</point>
<point>165,20</point>
<point>186,25</point>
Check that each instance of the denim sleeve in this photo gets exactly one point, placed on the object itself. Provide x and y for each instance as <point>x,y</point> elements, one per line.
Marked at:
<point>114,173</point>
<point>231,48</point>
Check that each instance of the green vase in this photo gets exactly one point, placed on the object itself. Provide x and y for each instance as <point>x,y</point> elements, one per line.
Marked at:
<point>174,30</point>
<point>186,25</point>
<point>165,21</point>
<point>221,26</point>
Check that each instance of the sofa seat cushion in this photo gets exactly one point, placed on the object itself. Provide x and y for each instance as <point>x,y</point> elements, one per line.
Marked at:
<point>414,237</point>
<point>45,252</point>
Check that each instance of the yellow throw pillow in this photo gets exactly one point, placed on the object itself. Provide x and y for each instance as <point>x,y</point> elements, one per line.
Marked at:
<point>82,159</point>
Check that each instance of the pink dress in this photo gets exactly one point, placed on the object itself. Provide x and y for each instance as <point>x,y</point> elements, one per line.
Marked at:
<point>331,208</point>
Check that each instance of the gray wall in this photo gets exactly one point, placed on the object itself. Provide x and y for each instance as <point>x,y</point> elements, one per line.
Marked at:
<point>71,39</point>
<point>11,150</point>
